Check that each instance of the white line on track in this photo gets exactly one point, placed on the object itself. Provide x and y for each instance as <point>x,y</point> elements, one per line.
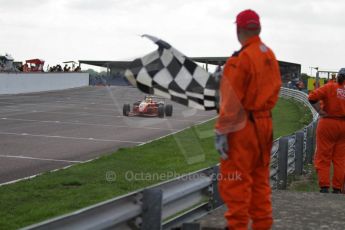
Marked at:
<point>7,103</point>
<point>38,174</point>
<point>71,138</point>
<point>86,124</point>
<point>10,111</point>
<point>173,119</point>
<point>22,112</point>
<point>139,144</point>
<point>99,115</point>
<point>41,159</point>
<point>66,104</point>
<point>161,137</point>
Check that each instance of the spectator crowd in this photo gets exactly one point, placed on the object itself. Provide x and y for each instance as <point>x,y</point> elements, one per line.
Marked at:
<point>7,64</point>
<point>66,68</point>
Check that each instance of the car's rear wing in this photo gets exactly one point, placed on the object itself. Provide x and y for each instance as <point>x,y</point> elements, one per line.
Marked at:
<point>155,97</point>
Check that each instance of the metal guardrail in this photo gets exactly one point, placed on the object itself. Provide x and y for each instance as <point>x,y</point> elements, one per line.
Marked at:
<point>289,153</point>
<point>298,96</point>
<point>160,206</point>
<point>189,197</point>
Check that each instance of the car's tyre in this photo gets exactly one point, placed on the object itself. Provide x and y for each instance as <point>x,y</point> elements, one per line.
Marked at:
<point>168,110</point>
<point>161,111</point>
<point>126,109</point>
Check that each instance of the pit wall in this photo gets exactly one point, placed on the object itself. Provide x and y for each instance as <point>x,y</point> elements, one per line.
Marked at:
<point>16,83</point>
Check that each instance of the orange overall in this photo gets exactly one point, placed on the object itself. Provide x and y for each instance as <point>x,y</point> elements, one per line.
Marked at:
<point>330,135</point>
<point>252,77</point>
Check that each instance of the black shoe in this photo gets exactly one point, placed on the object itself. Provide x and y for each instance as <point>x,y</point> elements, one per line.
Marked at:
<point>336,191</point>
<point>324,190</point>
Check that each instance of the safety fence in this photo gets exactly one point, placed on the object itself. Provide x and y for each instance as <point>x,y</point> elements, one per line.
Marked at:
<point>290,153</point>
<point>188,197</point>
<point>16,83</point>
<point>300,97</point>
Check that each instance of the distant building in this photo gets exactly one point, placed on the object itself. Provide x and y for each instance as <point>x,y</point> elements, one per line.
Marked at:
<point>289,71</point>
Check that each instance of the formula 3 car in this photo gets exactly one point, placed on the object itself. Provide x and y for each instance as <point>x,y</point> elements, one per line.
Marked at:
<point>149,107</point>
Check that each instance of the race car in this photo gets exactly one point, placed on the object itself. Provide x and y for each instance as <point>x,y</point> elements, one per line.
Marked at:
<point>149,107</point>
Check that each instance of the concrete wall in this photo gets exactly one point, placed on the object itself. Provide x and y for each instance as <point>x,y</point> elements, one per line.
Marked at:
<point>14,83</point>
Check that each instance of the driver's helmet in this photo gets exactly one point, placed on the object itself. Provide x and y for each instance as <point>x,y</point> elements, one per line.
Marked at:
<point>148,99</point>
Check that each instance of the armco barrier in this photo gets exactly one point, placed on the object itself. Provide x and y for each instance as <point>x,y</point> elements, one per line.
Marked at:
<point>189,197</point>
<point>298,96</point>
<point>148,209</point>
<point>291,152</point>
<point>15,83</point>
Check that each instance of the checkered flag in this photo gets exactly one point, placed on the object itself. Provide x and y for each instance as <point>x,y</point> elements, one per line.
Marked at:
<point>168,73</point>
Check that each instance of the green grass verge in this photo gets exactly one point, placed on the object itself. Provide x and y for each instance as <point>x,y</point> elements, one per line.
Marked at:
<point>290,116</point>
<point>307,182</point>
<point>63,191</point>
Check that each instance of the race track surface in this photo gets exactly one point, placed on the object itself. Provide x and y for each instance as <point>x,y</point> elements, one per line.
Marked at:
<point>45,131</point>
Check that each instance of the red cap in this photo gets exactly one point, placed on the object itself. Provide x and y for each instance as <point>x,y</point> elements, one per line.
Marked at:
<point>248,19</point>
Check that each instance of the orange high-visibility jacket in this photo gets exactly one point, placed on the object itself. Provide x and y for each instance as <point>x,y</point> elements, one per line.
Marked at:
<point>333,97</point>
<point>250,83</point>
